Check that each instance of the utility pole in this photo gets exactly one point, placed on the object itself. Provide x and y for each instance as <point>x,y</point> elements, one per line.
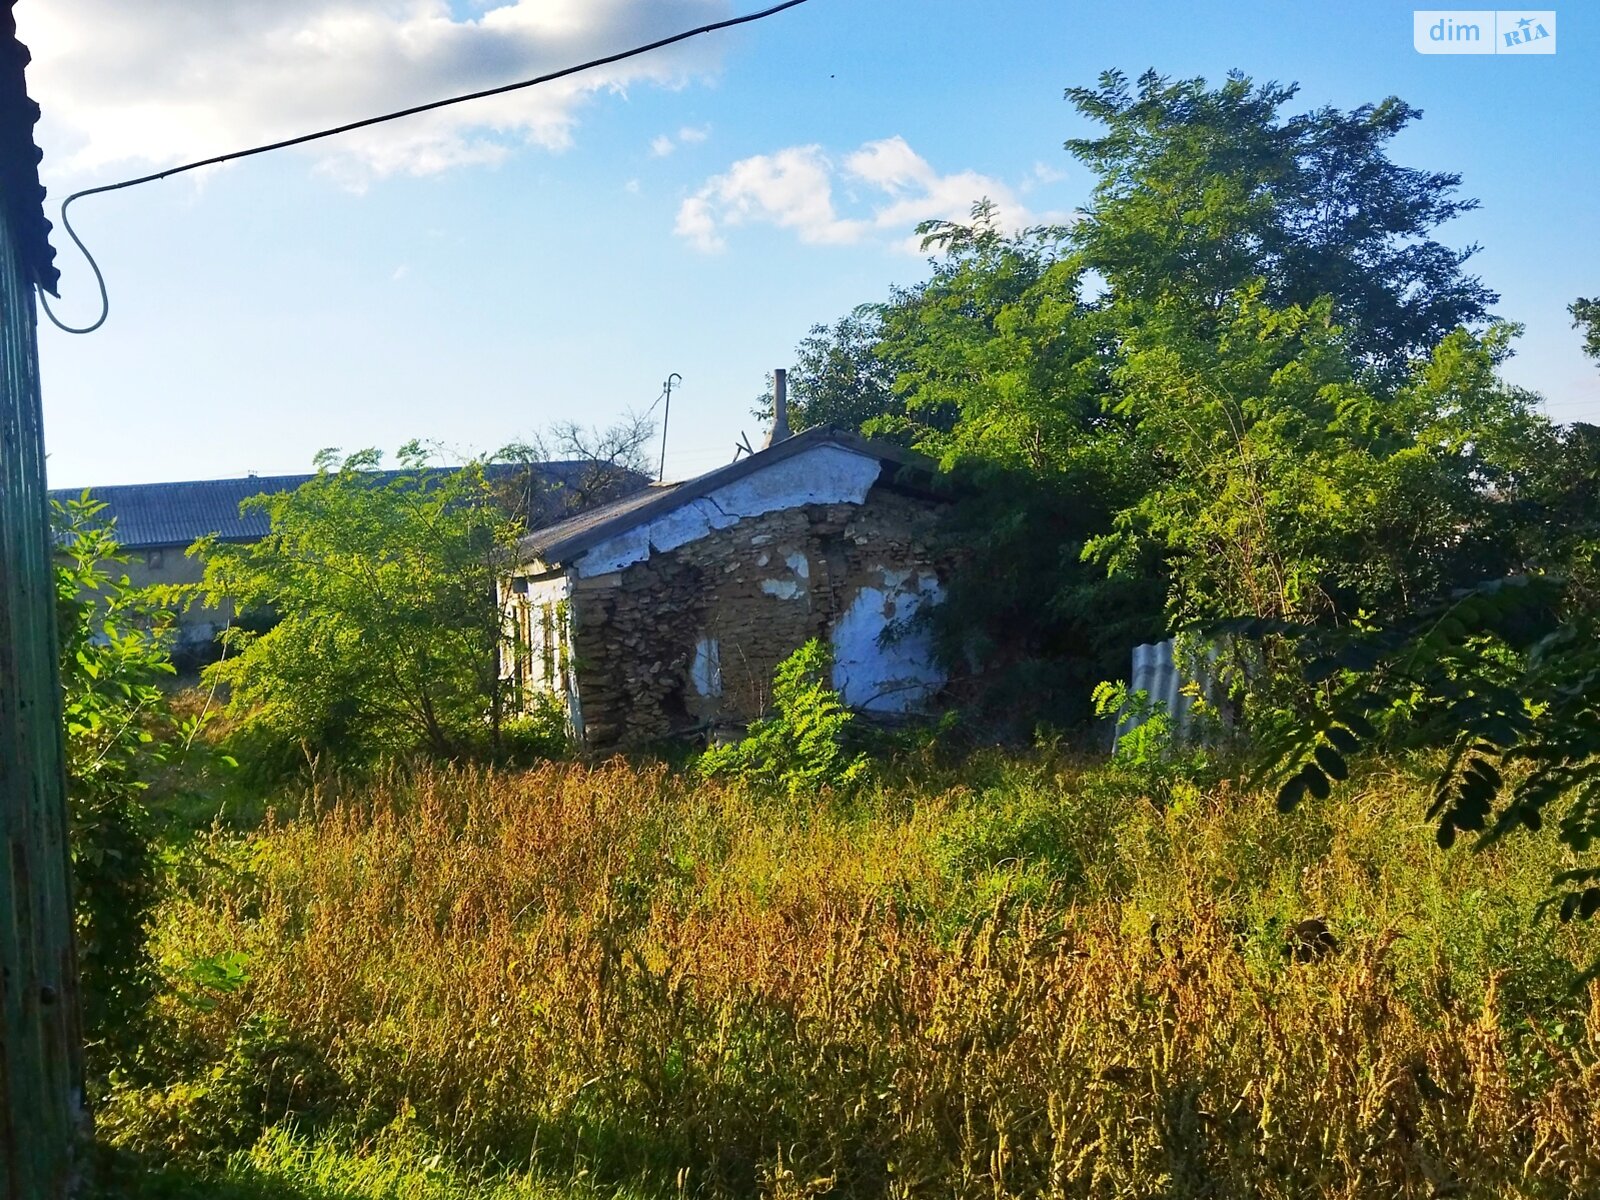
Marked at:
<point>41,1063</point>
<point>666,391</point>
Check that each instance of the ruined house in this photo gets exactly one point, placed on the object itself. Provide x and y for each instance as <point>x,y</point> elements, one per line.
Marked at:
<point>666,612</point>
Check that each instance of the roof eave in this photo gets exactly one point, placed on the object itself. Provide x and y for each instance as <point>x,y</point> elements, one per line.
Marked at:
<point>565,550</point>
<point>21,194</point>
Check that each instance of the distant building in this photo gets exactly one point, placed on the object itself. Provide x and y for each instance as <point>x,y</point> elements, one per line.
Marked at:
<point>156,523</point>
<point>666,612</point>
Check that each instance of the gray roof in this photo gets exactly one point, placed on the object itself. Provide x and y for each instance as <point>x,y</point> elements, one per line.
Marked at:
<point>21,197</point>
<point>178,514</point>
<point>566,539</point>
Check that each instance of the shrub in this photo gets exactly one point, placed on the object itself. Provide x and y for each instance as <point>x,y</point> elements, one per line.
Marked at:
<point>389,627</point>
<point>1149,752</point>
<point>803,745</point>
<point>538,734</point>
<point>120,727</point>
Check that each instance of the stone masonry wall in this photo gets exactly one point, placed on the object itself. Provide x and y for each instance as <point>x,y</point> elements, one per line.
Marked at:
<point>689,638</point>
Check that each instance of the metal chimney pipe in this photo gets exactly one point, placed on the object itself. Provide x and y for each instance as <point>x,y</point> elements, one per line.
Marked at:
<point>780,407</point>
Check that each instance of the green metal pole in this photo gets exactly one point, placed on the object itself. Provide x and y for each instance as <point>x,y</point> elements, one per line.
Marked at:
<point>41,1066</point>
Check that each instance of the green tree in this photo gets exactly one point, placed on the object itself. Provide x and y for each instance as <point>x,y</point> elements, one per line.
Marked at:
<point>389,627</point>
<point>994,359</point>
<point>1307,374</point>
<point>120,729</point>
<point>1586,316</point>
<point>1003,375</point>
<point>891,368</point>
<point>1248,381</point>
<point>840,375</point>
<point>1289,484</point>
<point>1202,190</point>
<point>1562,498</point>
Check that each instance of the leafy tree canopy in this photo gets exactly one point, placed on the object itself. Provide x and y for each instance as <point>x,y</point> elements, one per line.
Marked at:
<point>1586,317</point>
<point>841,375</point>
<point>389,626</point>
<point>120,729</point>
<point>1201,190</point>
<point>1249,380</point>
<point>1289,484</point>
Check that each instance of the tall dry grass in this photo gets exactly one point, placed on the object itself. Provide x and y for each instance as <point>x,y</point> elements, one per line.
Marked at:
<point>1026,980</point>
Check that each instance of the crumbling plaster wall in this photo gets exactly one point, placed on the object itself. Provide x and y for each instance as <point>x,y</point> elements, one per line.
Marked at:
<point>686,628</point>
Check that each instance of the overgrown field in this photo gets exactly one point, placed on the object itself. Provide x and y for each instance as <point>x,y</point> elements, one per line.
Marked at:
<point>1027,978</point>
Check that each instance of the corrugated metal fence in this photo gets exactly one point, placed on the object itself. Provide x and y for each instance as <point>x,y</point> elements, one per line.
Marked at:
<point>40,1055</point>
<point>1158,673</point>
<point>1155,671</point>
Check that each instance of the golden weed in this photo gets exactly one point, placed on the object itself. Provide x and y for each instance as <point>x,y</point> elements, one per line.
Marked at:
<point>621,971</point>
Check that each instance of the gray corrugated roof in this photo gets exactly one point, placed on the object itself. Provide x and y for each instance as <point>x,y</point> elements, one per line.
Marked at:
<point>562,541</point>
<point>178,514</point>
<point>174,514</point>
<point>20,191</point>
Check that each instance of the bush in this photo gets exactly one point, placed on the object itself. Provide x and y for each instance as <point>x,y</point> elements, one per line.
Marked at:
<point>802,746</point>
<point>120,728</point>
<point>1149,752</point>
<point>389,629</point>
<point>539,734</point>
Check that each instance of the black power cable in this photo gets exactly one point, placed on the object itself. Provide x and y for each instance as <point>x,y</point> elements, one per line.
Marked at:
<point>105,300</point>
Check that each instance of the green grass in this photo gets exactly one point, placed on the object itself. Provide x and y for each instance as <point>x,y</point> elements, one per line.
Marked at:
<point>398,1165</point>
<point>1013,977</point>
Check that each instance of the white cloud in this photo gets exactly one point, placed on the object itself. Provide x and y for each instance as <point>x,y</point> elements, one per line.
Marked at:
<point>891,165</point>
<point>664,144</point>
<point>631,187</point>
<point>795,189</point>
<point>165,81</point>
<point>696,223</point>
<point>1042,175</point>
<point>791,189</point>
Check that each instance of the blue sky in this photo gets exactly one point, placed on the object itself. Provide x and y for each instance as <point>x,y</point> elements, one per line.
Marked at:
<point>472,279</point>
